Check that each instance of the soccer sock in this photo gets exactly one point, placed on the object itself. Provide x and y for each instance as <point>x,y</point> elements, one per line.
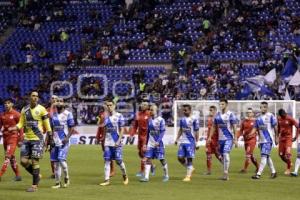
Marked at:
<point>208,161</point>
<point>107,170</point>
<point>297,165</point>
<point>262,165</point>
<point>122,167</point>
<point>189,167</point>
<point>165,167</point>
<point>14,166</point>
<point>271,165</point>
<point>147,170</point>
<point>289,162</point>
<point>52,166</point>
<point>36,175</point>
<point>29,169</point>
<point>226,162</point>
<point>247,162</point>
<point>65,169</point>
<point>143,165</point>
<point>4,166</point>
<point>254,161</point>
<point>57,171</point>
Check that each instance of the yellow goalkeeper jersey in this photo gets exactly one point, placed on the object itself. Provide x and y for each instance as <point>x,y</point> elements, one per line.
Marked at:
<point>34,121</point>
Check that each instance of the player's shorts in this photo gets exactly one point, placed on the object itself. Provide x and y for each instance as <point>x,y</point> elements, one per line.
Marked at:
<point>59,153</point>
<point>285,147</point>
<point>265,148</point>
<point>32,149</point>
<point>212,147</point>
<point>155,152</point>
<point>186,150</point>
<point>112,153</point>
<point>249,147</point>
<point>10,146</point>
<point>225,146</point>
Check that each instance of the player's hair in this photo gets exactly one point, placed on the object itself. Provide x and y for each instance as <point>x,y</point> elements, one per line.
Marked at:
<point>223,100</point>
<point>32,91</point>
<point>281,112</point>
<point>110,100</point>
<point>8,99</point>
<point>213,107</point>
<point>264,103</point>
<point>249,109</point>
<point>187,106</point>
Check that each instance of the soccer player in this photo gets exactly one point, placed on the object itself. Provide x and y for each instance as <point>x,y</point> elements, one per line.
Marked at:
<point>11,139</point>
<point>266,125</point>
<point>188,137</point>
<point>62,122</point>
<point>34,118</point>
<point>249,140</point>
<point>50,111</point>
<point>212,147</point>
<point>113,133</point>
<point>285,131</point>
<point>155,147</point>
<point>100,136</point>
<point>139,126</point>
<point>226,122</point>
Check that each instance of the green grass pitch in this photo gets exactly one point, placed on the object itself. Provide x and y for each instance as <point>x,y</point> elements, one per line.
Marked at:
<point>86,172</point>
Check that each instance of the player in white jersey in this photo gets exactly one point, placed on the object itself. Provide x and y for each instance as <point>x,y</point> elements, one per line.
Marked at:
<point>62,123</point>
<point>225,121</point>
<point>266,125</point>
<point>113,133</point>
<point>155,147</point>
<point>188,138</point>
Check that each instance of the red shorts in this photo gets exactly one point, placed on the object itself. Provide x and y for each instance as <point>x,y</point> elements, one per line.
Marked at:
<point>250,146</point>
<point>285,147</point>
<point>141,147</point>
<point>212,147</point>
<point>10,145</point>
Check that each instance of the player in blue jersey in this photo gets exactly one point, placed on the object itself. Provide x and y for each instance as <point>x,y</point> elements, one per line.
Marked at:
<point>113,133</point>
<point>225,121</point>
<point>266,125</point>
<point>155,148</point>
<point>62,123</point>
<point>188,138</point>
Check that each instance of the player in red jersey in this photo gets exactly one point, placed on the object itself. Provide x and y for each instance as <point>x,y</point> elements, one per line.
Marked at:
<point>50,110</point>
<point>250,139</point>
<point>285,130</point>
<point>139,126</point>
<point>100,136</point>
<point>11,139</point>
<point>212,147</point>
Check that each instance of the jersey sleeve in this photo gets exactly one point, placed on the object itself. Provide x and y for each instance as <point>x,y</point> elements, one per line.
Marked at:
<point>121,121</point>
<point>273,120</point>
<point>162,130</point>
<point>70,120</point>
<point>45,119</point>
<point>21,122</point>
<point>196,124</point>
<point>232,119</point>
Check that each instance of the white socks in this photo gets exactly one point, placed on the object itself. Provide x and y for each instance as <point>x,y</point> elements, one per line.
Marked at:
<point>262,165</point>
<point>271,165</point>
<point>147,171</point>
<point>57,171</point>
<point>65,169</point>
<point>106,170</point>
<point>297,165</point>
<point>165,168</point>
<point>189,170</point>
<point>226,162</point>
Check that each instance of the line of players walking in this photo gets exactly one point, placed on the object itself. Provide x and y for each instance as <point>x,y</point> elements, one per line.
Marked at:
<point>150,127</point>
